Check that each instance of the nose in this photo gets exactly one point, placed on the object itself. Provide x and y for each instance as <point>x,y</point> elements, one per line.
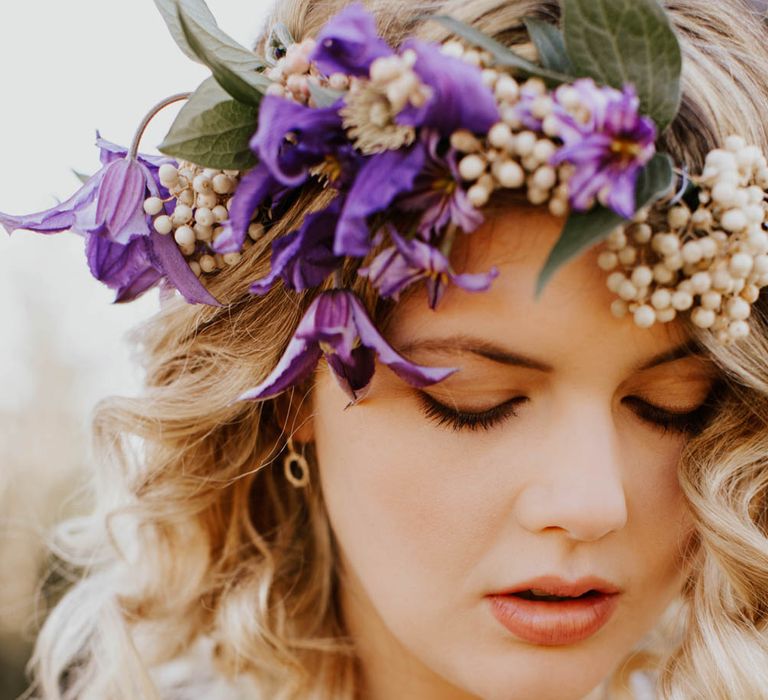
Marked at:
<point>577,483</point>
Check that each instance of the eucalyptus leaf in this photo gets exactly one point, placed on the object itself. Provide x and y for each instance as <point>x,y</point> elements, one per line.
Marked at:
<point>503,56</point>
<point>197,10</point>
<point>584,229</point>
<point>324,96</point>
<point>237,69</point>
<point>549,42</point>
<point>616,42</point>
<point>213,130</point>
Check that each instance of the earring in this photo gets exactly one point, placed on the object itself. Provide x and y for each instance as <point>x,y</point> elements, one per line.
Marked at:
<point>296,467</point>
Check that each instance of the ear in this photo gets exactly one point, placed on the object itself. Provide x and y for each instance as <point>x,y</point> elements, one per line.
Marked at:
<point>295,415</point>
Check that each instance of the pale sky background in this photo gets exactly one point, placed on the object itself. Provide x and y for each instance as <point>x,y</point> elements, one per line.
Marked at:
<point>68,68</point>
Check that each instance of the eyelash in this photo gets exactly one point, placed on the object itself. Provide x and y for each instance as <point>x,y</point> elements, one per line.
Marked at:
<point>688,423</point>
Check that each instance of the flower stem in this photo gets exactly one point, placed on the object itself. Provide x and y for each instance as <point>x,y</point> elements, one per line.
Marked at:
<point>448,238</point>
<point>149,117</point>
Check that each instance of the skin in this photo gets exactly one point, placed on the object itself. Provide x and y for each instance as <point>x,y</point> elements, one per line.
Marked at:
<point>429,519</point>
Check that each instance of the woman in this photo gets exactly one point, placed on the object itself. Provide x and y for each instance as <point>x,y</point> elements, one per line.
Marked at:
<point>354,535</point>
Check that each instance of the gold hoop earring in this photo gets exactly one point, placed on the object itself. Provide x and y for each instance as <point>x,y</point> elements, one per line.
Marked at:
<point>296,467</point>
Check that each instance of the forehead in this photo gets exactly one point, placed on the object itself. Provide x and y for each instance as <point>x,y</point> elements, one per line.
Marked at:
<point>571,318</point>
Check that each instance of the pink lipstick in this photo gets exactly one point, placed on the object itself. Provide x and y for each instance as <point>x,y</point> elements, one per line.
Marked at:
<point>551,611</point>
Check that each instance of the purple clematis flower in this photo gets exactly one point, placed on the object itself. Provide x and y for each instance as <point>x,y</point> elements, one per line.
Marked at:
<point>130,269</point>
<point>290,141</point>
<point>609,149</point>
<point>349,43</point>
<point>406,262</point>
<point>459,98</point>
<point>337,326</point>
<point>437,193</point>
<point>111,201</point>
<point>291,138</point>
<point>305,257</point>
<point>122,250</point>
<point>382,177</point>
<point>255,188</point>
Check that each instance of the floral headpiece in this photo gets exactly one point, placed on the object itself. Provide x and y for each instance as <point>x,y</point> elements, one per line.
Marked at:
<point>425,134</point>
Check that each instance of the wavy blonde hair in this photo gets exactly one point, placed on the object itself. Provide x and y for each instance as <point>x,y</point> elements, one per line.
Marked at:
<point>196,535</point>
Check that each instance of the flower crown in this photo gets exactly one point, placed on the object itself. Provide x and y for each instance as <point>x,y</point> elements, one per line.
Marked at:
<point>425,134</point>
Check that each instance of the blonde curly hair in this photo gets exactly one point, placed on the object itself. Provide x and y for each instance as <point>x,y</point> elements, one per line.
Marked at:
<point>196,536</point>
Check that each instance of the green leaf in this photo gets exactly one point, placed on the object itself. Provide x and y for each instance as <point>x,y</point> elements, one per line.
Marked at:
<point>213,130</point>
<point>504,57</point>
<point>627,41</point>
<point>197,10</point>
<point>550,44</point>
<point>235,68</point>
<point>584,229</point>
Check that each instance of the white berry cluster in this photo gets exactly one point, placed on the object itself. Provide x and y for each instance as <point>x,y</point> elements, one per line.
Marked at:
<point>711,262</point>
<point>199,206</point>
<point>510,155</point>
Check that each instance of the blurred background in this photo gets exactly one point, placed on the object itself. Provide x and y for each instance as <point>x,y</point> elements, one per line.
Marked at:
<point>67,69</point>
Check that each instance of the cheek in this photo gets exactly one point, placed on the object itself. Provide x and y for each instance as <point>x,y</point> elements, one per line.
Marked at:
<point>659,521</point>
<point>398,496</point>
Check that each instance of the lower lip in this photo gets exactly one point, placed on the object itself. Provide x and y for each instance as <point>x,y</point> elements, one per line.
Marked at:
<point>553,623</point>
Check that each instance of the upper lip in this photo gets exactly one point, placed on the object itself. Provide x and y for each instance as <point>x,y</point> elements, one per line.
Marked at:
<point>554,585</point>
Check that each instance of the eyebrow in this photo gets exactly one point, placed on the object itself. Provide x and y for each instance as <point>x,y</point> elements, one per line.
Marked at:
<point>505,356</point>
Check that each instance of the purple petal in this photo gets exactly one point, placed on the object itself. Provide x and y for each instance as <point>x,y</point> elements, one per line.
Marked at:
<point>381,178</point>
<point>252,190</point>
<point>354,376</point>
<point>460,100</point>
<point>588,149</point>
<point>296,364</point>
<point>584,185</point>
<point>121,197</point>
<point>313,133</point>
<point>476,282</point>
<point>178,272</point>
<point>349,43</point>
<point>304,258</point>
<point>390,273</point>
<point>416,375</point>
<point>284,249</point>
<point>144,280</point>
<point>62,217</point>
<point>621,196</point>
<point>331,323</point>
<point>127,268</point>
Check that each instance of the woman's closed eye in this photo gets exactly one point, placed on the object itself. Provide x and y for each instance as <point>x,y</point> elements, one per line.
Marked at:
<point>684,422</point>
<point>459,419</point>
<point>688,422</point>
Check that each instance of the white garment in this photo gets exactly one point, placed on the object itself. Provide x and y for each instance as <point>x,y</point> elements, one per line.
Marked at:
<point>193,677</point>
<point>643,685</point>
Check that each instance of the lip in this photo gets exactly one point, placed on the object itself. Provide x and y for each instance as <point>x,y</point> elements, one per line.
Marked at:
<point>556,623</point>
<point>554,585</point>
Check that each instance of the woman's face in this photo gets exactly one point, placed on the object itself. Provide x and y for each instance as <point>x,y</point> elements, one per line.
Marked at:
<point>568,471</point>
